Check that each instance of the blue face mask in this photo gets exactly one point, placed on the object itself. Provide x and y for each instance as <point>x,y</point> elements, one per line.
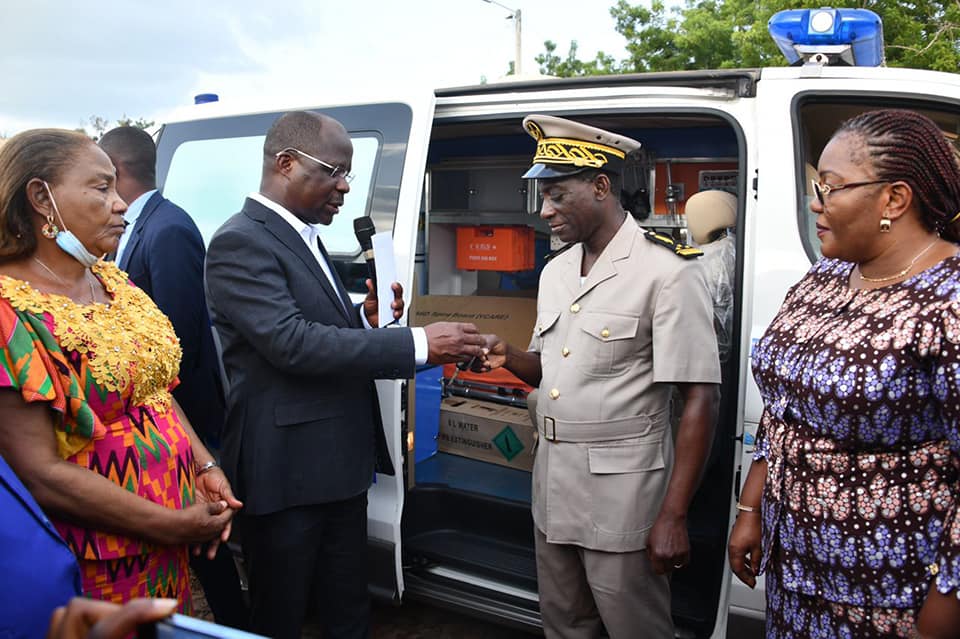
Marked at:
<point>67,241</point>
<point>74,248</point>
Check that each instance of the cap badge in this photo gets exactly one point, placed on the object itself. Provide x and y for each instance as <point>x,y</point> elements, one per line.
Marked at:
<point>534,130</point>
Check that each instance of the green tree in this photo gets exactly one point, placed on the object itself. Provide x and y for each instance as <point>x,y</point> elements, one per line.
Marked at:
<point>140,123</point>
<point>720,34</point>
<point>100,125</point>
<point>552,64</point>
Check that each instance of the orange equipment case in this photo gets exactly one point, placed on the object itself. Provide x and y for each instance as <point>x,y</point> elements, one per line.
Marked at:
<point>495,248</point>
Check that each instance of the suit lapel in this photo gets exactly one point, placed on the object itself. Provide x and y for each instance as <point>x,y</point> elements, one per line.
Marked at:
<point>344,296</point>
<point>151,206</point>
<point>572,259</point>
<point>605,267</point>
<point>295,244</point>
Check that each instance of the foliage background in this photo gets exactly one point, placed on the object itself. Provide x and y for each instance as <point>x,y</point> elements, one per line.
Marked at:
<point>726,34</point>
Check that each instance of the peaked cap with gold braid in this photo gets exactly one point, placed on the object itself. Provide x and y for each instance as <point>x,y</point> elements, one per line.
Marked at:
<point>565,147</point>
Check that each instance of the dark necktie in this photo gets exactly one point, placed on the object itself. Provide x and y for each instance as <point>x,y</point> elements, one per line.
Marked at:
<point>341,291</point>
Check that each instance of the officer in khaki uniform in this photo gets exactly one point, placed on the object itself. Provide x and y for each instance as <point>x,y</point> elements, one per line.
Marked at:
<point>622,316</point>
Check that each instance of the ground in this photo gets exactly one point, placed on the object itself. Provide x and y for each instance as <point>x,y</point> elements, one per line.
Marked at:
<point>412,620</point>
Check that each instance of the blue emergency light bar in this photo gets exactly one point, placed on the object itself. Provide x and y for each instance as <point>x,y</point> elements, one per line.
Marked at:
<point>839,36</point>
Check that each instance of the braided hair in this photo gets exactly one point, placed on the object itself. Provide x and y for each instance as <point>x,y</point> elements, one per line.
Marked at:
<point>907,146</point>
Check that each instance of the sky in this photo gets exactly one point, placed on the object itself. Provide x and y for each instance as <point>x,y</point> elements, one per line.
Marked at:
<point>64,61</point>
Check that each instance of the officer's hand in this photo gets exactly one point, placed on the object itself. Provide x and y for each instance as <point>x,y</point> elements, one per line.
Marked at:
<point>84,618</point>
<point>743,551</point>
<point>668,546</point>
<point>495,356</point>
<point>371,306</point>
<point>452,342</point>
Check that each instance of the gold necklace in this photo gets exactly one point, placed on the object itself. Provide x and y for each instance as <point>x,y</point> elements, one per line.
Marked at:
<point>86,272</point>
<point>901,273</point>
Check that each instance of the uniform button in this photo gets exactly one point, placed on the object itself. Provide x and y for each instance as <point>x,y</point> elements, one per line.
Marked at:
<point>605,333</point>
<point>554,393</point>
<point>565,351</point>
<point>575,308</point>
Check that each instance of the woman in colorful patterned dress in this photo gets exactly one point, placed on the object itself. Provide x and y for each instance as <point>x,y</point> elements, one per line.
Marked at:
<point>86,366</point>
<point>850,504</point>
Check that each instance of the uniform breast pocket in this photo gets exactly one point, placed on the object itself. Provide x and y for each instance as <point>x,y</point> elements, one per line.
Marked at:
<point>546,320</point>
<point>606,343</point>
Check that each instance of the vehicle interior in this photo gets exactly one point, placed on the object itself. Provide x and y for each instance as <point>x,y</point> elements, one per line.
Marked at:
<point>467,525</point>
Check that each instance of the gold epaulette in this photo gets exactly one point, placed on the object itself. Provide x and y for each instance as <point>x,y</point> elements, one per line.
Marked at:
<point>685,251</point>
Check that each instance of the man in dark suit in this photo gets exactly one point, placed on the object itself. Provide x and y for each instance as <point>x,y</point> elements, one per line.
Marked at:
<point>303,433</point>
<point>162,251</point>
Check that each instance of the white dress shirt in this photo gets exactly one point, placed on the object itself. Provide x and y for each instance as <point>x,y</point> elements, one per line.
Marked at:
<point>134,209</point>
<point>310,234</point>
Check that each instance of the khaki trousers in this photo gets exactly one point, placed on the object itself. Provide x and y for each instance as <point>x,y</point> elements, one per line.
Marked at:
<point>582,591</point>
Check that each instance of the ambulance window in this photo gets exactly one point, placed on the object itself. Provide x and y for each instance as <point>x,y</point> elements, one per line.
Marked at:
<point>210,178</point>
<point>820,116</point>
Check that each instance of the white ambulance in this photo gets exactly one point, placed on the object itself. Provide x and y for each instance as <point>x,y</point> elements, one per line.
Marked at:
<point>453,526</point>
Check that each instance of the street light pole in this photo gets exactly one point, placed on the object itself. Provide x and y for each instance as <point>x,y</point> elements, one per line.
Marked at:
<point>517,51</point>
<point>518,54</point>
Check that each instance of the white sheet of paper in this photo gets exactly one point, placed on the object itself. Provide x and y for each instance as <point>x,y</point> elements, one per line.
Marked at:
<point>386,274</point>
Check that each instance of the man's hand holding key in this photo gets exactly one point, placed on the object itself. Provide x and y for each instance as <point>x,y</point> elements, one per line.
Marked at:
<point>453,342</point>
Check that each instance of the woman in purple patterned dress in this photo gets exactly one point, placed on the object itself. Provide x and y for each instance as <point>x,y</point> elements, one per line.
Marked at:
<point>849,508</point>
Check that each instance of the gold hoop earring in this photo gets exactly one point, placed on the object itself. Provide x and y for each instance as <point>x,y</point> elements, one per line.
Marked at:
<point>50,230</point>
<point>885,224</point>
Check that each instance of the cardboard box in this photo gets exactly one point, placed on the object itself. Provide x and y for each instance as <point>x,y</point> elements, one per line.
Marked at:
<point>486,431</point>
<point>495,248</point>
<point>512,318</point>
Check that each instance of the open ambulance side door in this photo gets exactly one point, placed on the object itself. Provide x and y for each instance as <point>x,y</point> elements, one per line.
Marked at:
<point>209,162</point>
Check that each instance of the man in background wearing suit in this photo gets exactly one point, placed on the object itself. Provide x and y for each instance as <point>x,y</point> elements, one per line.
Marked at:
<point>162,251</point>
<point>303,434</point>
